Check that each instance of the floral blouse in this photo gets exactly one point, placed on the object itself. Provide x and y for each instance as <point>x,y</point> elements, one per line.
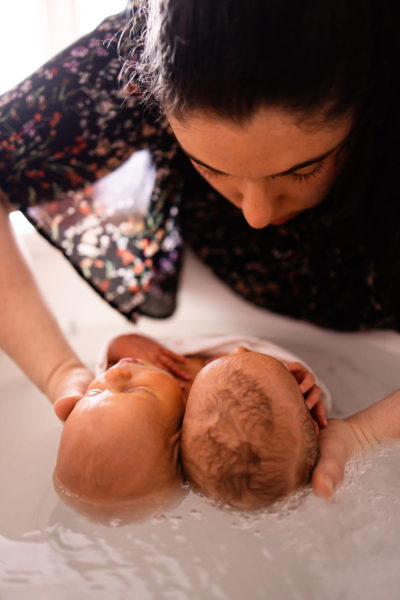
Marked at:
<point>105,181</point>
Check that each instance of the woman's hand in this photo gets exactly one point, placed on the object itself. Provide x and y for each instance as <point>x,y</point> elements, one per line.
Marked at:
<point>310,391</point>
<point>132,345</point>
<point>338,442</point>
<point>67,385</point>
<point>359,433</point>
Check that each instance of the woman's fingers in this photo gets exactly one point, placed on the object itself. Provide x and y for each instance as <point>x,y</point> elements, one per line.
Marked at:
<point>318,413</point>
<point>69,384</point>
<point>326,478</point>
<point>64,405</point>
<point>316,406</point>
<point>304,378</point>
<point>307,383</point>
<point>313,397</point>
<point>173,368</point>
<point>337,444</point>
<point>177,357</point>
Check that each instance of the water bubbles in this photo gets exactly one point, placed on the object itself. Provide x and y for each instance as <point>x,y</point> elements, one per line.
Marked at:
<point>116,522</point>
<point>175,522</point>
<point>158,518</point>
<point>196,514</point>
<point>245,521</point>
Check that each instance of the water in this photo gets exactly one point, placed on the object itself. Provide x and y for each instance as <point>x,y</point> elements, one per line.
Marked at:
<point>301,549</point>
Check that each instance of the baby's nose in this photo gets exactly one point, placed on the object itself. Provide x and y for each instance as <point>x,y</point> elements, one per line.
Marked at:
<point>117,376</point>
<point>240,350</point>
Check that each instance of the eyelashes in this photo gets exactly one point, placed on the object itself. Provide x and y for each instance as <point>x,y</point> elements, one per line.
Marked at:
<point>207,172</point>
<point>299,177</point>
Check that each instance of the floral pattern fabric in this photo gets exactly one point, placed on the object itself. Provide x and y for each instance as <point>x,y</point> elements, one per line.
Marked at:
<point>104,180</point>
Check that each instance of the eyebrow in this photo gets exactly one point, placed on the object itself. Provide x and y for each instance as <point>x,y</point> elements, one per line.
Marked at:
<point>301,165</point>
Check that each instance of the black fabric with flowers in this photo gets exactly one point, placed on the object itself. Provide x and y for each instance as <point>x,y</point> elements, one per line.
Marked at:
<point>106,183</point>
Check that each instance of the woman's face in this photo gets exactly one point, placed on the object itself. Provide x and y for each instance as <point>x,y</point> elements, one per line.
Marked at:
<point>271,166</point>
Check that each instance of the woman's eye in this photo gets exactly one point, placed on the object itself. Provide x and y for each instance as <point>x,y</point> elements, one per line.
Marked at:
<point>300,176</point>
<point>207,172</point>
<point>305,176</point>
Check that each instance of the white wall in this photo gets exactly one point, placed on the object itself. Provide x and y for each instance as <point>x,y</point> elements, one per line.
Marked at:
<point>34,30</point>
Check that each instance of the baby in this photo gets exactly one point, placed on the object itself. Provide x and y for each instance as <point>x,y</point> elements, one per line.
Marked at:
<point>120,442</point>
<point>248,435</point>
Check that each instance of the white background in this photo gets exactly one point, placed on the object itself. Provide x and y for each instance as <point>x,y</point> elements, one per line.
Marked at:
<point>34,30</point>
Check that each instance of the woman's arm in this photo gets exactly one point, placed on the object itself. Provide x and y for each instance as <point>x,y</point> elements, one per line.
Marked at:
<point>359,433</point>
<point>29,332</point>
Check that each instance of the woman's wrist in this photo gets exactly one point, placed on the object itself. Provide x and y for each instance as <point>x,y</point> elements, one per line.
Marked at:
<point>378,423</point>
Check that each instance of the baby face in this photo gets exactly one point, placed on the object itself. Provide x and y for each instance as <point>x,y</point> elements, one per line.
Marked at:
<point>152,394</point>
<point>121,439</point>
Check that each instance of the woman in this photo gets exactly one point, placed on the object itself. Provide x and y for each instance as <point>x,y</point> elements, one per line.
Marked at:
<point>284,108</point>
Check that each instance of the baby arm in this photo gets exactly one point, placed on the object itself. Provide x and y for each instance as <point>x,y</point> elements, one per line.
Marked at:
<point>132,345</point>
<point>343,438</point>
<point>28,331</point>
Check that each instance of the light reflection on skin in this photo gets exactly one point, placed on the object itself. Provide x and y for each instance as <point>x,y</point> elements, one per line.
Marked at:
<point>248,163</point>
<point>115,514</point>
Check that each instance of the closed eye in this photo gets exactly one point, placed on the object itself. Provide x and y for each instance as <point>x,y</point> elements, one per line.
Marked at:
<point>295,175</point>
<point>303,177</point>
<point>94,392</point>
<point>209,173</point>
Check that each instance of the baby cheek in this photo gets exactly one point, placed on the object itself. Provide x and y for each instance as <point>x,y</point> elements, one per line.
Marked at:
<point>174,409</point>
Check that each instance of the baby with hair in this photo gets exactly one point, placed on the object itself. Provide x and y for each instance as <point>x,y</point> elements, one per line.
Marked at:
<point>248,436</point>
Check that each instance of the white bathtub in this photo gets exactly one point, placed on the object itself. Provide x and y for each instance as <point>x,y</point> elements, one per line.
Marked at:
<point>347,549</point>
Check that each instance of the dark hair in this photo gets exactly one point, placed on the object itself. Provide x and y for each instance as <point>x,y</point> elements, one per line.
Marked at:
<point>250,456</point>
<point>231,57</point>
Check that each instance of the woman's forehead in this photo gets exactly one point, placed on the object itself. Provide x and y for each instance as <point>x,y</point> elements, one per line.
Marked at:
<point>271,142</point>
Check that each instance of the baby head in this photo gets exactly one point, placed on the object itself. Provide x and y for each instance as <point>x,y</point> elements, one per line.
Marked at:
<point>248,437</point>
<point>120,442</point>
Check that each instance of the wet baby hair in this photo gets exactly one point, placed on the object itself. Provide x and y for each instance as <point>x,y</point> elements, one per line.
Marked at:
<point>249,456</point>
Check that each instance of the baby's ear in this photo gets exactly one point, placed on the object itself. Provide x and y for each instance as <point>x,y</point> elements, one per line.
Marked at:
<point>64,405</point>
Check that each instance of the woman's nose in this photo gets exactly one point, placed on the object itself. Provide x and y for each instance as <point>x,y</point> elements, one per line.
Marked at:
<point>258,204</point>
